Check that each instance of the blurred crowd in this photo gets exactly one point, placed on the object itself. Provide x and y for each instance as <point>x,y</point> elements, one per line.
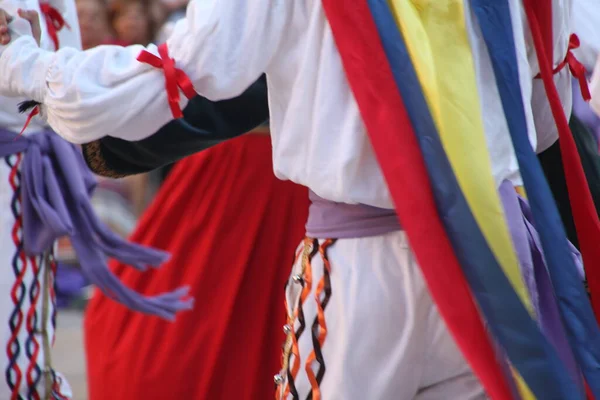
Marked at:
<point>125,22</point>
<point>119,203</point>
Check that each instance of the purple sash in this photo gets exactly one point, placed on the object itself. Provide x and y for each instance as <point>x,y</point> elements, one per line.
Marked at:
<point>56,186</point>
<point>328,219</point>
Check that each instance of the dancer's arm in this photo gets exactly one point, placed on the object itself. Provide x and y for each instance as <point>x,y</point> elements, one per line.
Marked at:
<point>205,124</point>
<point>222,45</point>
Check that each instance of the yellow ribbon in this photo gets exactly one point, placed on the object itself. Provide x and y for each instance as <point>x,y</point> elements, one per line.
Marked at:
<point>437,39</point>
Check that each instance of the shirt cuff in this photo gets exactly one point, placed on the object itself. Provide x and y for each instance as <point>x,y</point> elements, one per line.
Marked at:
<point>24,69</point>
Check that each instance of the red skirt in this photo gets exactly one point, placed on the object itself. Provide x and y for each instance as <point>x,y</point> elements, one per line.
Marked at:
<point>232,228</point>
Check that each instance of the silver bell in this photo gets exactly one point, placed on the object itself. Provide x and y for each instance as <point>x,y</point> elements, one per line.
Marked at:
<point>278,379</point>
<point>287,329</point>
<point>297,278</point>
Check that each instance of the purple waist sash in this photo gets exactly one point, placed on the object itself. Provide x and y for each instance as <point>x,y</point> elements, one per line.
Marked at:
<point>55,187</point>
<point>329,219</point>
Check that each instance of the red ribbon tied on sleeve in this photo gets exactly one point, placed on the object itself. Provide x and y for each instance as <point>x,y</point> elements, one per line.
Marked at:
<point>577,69</point>
<point>54,22</point>
<point>175,78</point>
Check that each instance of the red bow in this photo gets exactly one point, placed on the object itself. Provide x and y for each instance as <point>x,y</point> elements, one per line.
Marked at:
<point>54,22</point>
<point>577,69</point>
<point>175,78</point>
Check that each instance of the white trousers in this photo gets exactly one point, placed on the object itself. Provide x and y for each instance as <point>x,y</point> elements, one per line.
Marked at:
<point>380,335</point>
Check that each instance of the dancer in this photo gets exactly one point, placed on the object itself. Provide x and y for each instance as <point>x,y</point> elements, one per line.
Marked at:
<point>585,125</point>
<point>362,115</point>
<point>27,307</point>
<point>44,194</point>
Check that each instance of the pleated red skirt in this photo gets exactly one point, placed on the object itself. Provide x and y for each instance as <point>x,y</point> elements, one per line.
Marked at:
<point>232,228</point>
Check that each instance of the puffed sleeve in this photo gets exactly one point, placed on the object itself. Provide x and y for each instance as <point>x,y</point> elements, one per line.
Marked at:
<point>222,45</point>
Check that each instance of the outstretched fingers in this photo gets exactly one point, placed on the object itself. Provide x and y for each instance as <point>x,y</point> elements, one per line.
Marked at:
<point>34,20</point>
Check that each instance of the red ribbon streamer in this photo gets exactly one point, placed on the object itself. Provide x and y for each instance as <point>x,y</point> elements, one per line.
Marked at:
<point>577,69</point>
<point>543,14</point>
<point>33,113</point>
<point>175,78</point>
<point>584,211</point>
<point>54,22</point>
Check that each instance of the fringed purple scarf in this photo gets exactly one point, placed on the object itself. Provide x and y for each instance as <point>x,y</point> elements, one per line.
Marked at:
<point>56,186</point>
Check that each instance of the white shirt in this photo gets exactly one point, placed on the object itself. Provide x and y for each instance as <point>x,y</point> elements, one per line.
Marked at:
<point>10,118</point>
<point>586,24</point>
<point>319,139</point>
<point>586,18</point>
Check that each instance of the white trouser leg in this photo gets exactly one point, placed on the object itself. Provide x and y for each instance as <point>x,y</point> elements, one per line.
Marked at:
<point>384,338</point>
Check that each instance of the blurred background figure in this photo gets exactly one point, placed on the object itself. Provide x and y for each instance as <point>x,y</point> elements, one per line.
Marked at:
<point>94,23</point>
<point>173,6</point>
<point>132,21</point>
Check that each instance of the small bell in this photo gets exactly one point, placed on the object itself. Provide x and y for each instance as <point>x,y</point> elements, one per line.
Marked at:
<point>278,379</point>
<point>287,329</point>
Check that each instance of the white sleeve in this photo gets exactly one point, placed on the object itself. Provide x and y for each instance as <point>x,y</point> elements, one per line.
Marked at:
<point>222,45</point>
<point>595,88</point>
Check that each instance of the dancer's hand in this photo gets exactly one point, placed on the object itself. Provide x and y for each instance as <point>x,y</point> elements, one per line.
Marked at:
<point>33,18</point>
<point>30,16</point>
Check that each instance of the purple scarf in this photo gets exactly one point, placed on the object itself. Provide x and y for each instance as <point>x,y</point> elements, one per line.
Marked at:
<point>56,186</point>
<point>533,269</point>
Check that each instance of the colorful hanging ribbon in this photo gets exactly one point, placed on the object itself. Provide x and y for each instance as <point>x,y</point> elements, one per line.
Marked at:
<point>398,152</point>
<point>509,320</point>
<point>436,39</point>
<point>584,336</point>
<point>535,359</point>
